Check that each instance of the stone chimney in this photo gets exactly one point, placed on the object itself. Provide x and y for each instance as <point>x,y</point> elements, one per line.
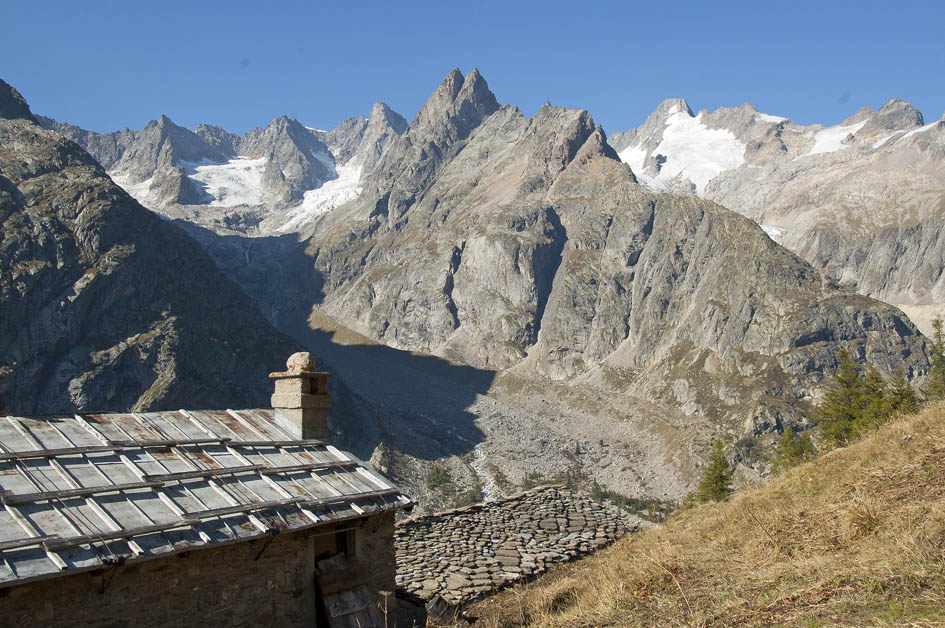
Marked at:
<point>300,399</point>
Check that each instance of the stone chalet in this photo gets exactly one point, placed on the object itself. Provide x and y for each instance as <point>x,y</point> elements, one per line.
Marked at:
<point>210,518</point>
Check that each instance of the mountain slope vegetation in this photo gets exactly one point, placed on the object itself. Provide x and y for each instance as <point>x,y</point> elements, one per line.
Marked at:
<point>853,538</point>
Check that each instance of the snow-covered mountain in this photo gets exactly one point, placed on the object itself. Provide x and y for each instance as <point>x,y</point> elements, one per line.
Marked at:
<point>863,200</point>
<point>272,179</point>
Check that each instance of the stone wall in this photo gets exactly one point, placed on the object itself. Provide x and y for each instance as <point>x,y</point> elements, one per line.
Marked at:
<point>221,586</point>
<point>466,553</point>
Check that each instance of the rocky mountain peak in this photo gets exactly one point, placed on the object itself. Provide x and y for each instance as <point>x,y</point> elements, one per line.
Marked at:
<point>452,83</point>
<point>458,105</point>
<point>296,160</point>
<point>218,138</point>
<point>596,147</point>
<point>441,99</point>
<point>671,106</point>
<point>476,91</point>
<point>863,113</point>
<point>382,114</point>
<point>12,105</point>
<point>896,115</point>
<point>649,134</point>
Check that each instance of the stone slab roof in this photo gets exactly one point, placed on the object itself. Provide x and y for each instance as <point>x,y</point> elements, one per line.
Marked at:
<point>85,491</point>
<point>466,553</point>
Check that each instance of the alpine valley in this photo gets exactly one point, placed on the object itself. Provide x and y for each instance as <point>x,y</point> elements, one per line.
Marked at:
<point>504,297</point>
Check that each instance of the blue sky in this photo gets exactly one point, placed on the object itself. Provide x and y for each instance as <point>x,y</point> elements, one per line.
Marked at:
<point>110,65</point>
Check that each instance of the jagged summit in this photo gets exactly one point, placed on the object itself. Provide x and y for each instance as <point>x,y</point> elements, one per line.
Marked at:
<point>12,104</point>
<point>457,105</point>
<point>382,114</point>
<point>161,146</point>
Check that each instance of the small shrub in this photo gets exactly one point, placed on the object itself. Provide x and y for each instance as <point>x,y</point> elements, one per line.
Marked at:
<point>792,450</point>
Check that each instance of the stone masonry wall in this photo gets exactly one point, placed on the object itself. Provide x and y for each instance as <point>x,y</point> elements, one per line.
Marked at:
<point>213,587</point>
<point>221,586</point>
<point>466,553</point>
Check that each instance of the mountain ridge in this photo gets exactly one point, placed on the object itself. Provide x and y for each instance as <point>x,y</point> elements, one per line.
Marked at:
<point>101,299</point>
<point>852,199</point>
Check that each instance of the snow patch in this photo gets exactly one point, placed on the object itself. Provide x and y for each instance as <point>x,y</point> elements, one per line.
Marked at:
<point>921,129</point>
<point>311,128</point>
<point>326,197</point>
<point>692,150</point>
<point>830,140</point>
<point>882,141</point>
<point>236,182</point>
<point>775,233</point>
<point>138,191</point>
<point>764,117</point>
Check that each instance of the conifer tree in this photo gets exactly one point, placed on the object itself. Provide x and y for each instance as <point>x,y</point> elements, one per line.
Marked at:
<point>840,408</point>
<point>873,407</point>
<point>716,481</point>
<point>936,385</point>
<point>902,397</point>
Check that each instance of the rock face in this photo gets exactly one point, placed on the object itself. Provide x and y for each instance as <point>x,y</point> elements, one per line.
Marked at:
<point>365,140</point>
<point>162,145</point>
<point>465,554</point>
<point>295,159</point>
<point>106,148</point>
<point>542,254</point>
<point>104,306</point>
<point>862,201</point>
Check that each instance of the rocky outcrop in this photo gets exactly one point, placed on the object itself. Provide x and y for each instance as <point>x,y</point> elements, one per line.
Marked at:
<point>103,305</point>
<point>171,185</point>
<point>464,554</point>
<point>523,248</point>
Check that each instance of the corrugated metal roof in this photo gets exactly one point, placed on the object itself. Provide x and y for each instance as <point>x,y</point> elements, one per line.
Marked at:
<point>83,491</point>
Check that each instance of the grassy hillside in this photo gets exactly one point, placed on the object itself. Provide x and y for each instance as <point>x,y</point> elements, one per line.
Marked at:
<point>854,538</point>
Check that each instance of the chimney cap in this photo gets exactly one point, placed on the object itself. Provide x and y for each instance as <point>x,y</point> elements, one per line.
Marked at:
<point>300,362</point>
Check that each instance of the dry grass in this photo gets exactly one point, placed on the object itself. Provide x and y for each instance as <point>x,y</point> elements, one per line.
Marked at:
<point>855,538</point>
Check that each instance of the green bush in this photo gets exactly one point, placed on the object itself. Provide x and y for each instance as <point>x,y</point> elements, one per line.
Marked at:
<point>792,450</point>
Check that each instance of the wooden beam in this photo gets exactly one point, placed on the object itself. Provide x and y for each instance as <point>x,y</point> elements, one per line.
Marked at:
<point>341,499</point>
<point>276,443</point>
<point>201,473</point>
<point>18,543</point>
<point>113,446</point>
<point>29,498</point>
<point>311,466</point>
<point>168,442</point>
<point>72,541</point>
<point>230,510</point>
